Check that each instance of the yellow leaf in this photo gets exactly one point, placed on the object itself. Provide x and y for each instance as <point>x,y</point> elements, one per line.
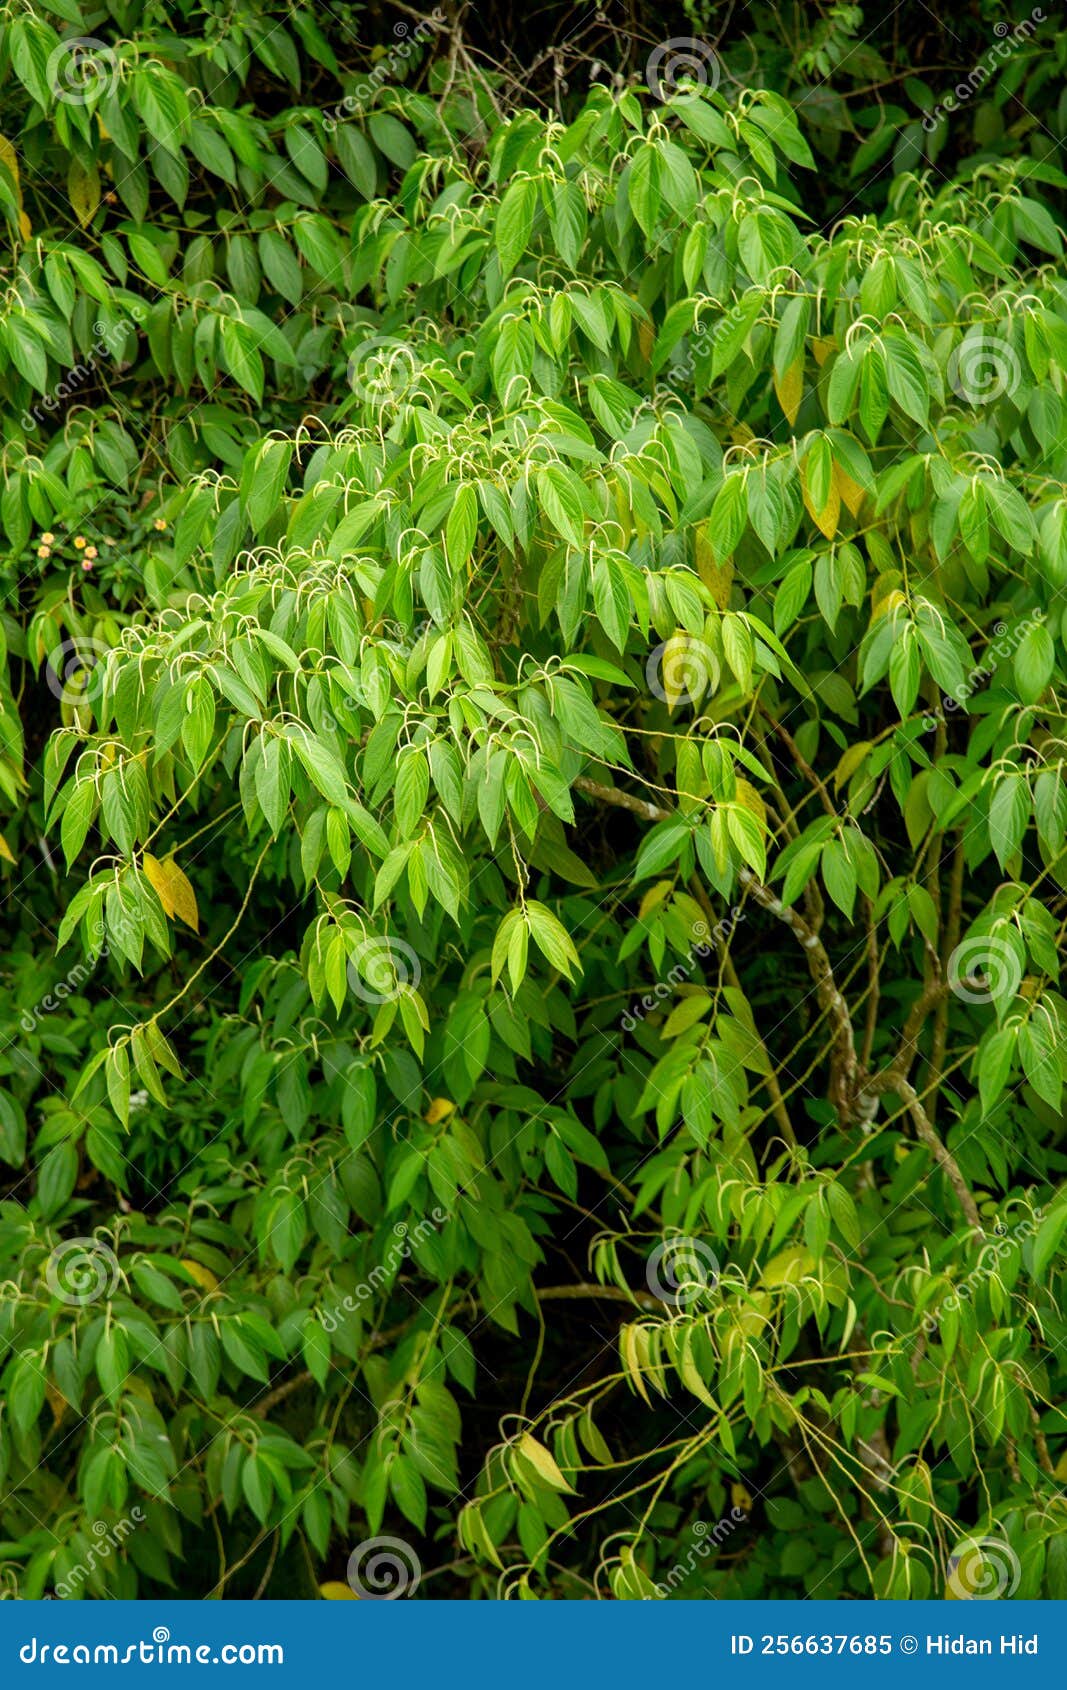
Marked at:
<point>439,1110</point>
<point>57,1402</point>
<point>788,1267</point>
<point>750,798</point>
<point>790,390</point>
<point>654,897</point>
<point>741,1498</point>
<point>822,347</point>
<point>893,600</point>
<point>334,1591</point>
<point>717,577</point>
<point>543,1462</point>
<point>631,1360</point>
<point>690,1374</point>
<point>9,157</point>
<point>826,519</point>
<point>646,338</point>
<point>173,889</point>
<point>159,882</point>
<point>852,494</point>
<point>83,189</point>
<point>850,762</point>
<point>203,1275</point>
<point>5,850</point>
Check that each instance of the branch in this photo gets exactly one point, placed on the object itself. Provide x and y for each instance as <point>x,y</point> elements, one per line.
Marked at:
<point>893,1080</point>
<point>819,965</point>
<point>613,1293</point>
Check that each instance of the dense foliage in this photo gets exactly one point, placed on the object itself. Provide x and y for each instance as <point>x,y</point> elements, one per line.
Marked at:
<point>534,819</point>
